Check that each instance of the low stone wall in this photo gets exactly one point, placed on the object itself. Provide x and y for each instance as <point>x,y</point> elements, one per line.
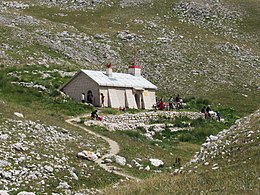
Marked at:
<point>131,121</point>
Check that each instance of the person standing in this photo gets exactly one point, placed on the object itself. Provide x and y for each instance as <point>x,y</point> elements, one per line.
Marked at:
<point>177,100</point>
<point>203,110</point>
<point>170,101</point>
<point>218,115</point>
<point>207,111</point>
<point>102,100</point>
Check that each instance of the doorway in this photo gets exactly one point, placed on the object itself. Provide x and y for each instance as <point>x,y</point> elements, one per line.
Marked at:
<point>137,100</point>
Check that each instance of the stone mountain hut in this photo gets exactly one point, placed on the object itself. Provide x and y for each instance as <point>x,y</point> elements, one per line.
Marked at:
<point>111,89</point>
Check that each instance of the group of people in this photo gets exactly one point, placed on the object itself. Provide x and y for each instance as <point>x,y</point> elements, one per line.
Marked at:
<point>90,98</point>
<point>209,114</point>
<point>172,103</point>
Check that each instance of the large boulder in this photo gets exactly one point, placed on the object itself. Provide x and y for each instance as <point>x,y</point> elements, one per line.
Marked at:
<point>4,192</point>
<point>120,160</point>
<point>26,193</point>
<point>156,162</point>
<point>63,185</point>
<point>20,115</point>
<point>88,155</point>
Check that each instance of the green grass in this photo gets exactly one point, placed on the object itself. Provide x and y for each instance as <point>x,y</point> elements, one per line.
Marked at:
<point>90,174</point>
<point>37,100</point>
<point>134,145</point>
<point>50,107</point>
<point>238,173</point>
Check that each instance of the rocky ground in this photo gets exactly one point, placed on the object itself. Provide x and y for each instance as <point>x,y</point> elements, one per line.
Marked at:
<point>39,157</point>
<point>174,53</point>
<point>189,47</point>
<point>225,143</point>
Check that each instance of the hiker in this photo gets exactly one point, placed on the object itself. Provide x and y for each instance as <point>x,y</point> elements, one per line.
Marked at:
<point>178,101</point>
<point>90,97</point>
<point>94,114</point>
<point>218,115</point>
<point>161,105</point>
<point>208,109</point>
<point>170,101</point>
<point>102,99</point>
<point>203,110</point>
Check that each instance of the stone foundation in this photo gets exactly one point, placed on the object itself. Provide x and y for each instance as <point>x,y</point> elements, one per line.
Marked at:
<point>131,121</point>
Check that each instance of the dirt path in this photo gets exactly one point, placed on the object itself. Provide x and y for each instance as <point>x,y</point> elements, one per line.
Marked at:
<point>113,150</point>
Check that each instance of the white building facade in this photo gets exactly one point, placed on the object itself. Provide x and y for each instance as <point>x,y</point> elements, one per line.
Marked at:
<point>119,90</point>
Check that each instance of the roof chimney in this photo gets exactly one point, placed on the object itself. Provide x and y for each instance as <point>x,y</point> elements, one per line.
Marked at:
<point>134,69</point>
<point>109,70</point>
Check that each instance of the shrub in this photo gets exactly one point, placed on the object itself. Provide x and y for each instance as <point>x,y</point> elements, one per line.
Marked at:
<point>133,134</point>
<point>182,122</point>
<point>54,93</point>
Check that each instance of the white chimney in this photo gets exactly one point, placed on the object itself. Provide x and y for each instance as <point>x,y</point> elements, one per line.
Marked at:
<point>109,70</point>
<point>134,69</point>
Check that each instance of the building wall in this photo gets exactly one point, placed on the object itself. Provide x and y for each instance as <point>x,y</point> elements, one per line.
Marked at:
<point>82,84</point>
<point>115,97</point>
<point>149,99</point>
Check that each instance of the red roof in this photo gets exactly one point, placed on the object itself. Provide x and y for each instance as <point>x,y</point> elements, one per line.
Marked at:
<point>134,66</point>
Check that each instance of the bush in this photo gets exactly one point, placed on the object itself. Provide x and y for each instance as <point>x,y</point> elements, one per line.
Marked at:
<point>54,93</point>
<point>185,137</point>
<point>182,122</point>
<point>133,134</point>
<point>201,101</point>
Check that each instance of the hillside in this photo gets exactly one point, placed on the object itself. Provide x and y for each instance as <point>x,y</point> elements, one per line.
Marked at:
<point>205,50</point>
<point>189,48</point>
<point>227,164</point>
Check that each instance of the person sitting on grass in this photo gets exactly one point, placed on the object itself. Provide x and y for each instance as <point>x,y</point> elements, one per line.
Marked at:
<point>94,116</point>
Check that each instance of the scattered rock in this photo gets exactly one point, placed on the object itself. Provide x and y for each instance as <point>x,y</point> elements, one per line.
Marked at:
<point>87,155</point>
<point>120,160</point>
<point>147,168</point>
<point>48,168</point>
<point>156,162</point>
<point>20,115</point>
<point>63,185</point>
<point>26,193</point>
<point>4,192</point>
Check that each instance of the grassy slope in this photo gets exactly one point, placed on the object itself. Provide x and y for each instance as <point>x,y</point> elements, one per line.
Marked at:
<point>134,145</point>
<point>36,106</point>
<point>238,173</point>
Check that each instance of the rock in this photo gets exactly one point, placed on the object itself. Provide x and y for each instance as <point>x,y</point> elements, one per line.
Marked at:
<point>120,160</point>
<point>26,193</point>
<point>74,175</point>
<point>21,159</point>
<point>206,163</point>
<point>147,168</point>
<point>156,162</point>
<point>87,155</point>
<point>6,175</point>
<point>3,163</point>
<point>48,168</point>
<point>107,160</point>
<point>4,192</point>
<point>20,115</point>
<point>63,185</point>
<point>19,147</point>
<point>4,137</point>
